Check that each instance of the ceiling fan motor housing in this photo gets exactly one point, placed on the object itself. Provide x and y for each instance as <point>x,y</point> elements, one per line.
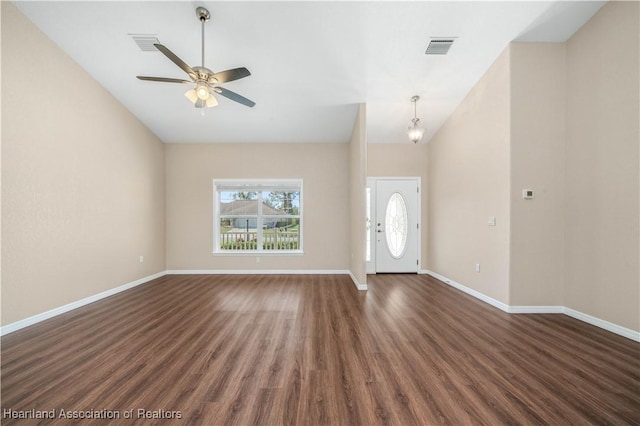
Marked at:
<point>205,75</point>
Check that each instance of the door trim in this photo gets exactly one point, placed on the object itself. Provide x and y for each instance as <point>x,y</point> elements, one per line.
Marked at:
<point>371,184</point>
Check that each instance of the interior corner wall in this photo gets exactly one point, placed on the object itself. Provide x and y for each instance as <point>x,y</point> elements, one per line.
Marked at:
<point>573,121</point>
<point>468,166</point>
<point>403,160</point>
<point>537,162</point>
<point>358,200</point>
<point>83,180</point>
<point>602,178</point>
<point>191,169</point>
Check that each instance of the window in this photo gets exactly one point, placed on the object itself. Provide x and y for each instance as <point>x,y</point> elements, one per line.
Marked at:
<point>258,216</point>
<point>396,225</point>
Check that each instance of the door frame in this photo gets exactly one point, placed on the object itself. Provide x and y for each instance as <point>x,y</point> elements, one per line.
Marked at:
<point>371,185</point>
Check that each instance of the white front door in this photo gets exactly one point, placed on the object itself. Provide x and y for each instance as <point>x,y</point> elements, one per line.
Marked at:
<point>396,225</point>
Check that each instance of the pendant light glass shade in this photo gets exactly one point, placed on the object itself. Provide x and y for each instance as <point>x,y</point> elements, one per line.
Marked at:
<point>415,132</point>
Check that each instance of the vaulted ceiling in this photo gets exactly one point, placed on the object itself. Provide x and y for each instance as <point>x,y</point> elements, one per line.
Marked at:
<point>311,62</point>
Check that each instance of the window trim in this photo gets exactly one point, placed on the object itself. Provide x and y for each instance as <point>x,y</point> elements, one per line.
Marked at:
<point>257,185</point>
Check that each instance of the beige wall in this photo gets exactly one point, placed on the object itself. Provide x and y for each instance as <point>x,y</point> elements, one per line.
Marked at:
<point>468,164</point>
<point>403,160</point>
<point>83,180</point>
<point>602,233</point>
<point>537,163</point>
<point>191,169</point>
<point>358,197</point>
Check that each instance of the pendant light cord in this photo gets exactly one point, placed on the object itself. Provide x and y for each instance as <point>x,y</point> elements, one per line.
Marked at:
<point>415,110</point>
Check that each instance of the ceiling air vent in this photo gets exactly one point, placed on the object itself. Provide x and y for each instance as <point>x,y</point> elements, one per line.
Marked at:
<point>439,46</point>
<point>146,41</point>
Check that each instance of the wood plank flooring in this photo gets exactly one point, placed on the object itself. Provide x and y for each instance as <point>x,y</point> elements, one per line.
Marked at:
<point>311,350</point>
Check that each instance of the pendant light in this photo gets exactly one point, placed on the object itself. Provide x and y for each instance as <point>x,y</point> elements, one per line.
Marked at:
<point>415,132</point>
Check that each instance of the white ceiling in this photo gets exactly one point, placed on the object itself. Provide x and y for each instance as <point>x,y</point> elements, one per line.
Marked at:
<point>311,62</point>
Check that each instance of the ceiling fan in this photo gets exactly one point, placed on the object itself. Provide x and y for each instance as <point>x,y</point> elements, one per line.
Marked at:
<point>206,81</point>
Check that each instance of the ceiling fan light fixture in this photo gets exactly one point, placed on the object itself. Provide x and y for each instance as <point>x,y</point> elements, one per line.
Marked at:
<point>202,92</point>
<point>211,101</point>
<point>191,95</point>
<point>208,102</point>
<point>415,132</point>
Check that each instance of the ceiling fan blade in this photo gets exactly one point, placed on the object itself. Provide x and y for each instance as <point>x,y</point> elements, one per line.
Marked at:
<point>179,62</point>
<point>230,75</point>
<point>234,96</point>
<point>162,79</point>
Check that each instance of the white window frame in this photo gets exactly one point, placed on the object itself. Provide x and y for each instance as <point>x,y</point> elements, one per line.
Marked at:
<point>257,185</point>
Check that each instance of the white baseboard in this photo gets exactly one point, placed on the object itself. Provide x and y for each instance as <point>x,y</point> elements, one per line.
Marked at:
<point>257,272</point>
<point>357,283</point>
<point>14,326</point>
<point>606,325</point>
<point>493,302</point>
<point>536,309</point>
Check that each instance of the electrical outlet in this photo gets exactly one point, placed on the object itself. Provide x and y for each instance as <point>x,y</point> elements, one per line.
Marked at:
<point>477,267</point>
<point>141,259</point>
<point>257,260</point>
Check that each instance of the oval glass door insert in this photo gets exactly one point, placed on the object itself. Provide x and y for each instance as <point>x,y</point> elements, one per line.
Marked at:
<point>396,225</point>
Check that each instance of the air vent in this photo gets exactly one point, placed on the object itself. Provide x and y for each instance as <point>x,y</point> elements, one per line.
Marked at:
<point>439,46</point>
<point>145,41</point>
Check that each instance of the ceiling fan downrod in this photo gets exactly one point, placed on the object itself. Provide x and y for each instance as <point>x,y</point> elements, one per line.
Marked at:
<point>203,15</point>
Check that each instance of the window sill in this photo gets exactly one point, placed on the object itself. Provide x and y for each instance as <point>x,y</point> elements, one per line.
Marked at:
<point>248,253</point>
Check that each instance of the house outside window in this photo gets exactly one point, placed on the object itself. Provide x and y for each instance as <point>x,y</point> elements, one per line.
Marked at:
<point>257,216</point>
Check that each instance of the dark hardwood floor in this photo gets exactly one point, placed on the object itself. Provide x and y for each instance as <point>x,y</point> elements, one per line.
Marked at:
<point>311,350</point>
